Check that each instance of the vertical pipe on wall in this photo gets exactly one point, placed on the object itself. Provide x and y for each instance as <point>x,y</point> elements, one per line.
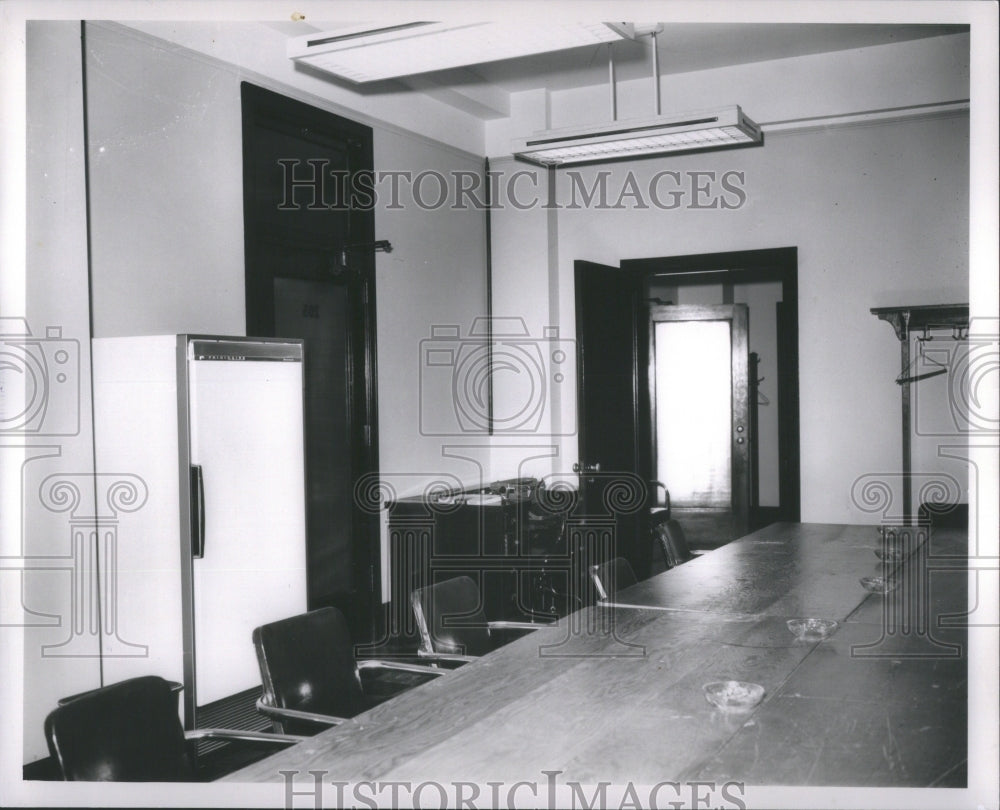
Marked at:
<point>90,344</point>
<point>904,349</point>
<point>489,299</point>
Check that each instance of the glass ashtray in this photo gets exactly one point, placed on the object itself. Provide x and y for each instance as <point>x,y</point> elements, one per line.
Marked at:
<point>733,695</point>
<point>812,629</point>
<point>878,584</point>
<point>889,554</point>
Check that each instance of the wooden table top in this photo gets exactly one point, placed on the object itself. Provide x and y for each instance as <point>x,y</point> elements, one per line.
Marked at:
<point>615,694</point>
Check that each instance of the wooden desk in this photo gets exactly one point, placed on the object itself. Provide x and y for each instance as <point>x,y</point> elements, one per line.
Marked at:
<point>616,694</point>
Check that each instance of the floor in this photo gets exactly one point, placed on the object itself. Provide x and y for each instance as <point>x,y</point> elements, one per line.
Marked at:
<point>706,528</point>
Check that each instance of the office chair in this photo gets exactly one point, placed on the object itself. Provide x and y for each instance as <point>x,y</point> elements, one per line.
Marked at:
<point>453,626</point>
<point>669,536</point>
<point>660,507</point>
<point>311,677</point>
<point>610,577</point>
<point>130,732</point>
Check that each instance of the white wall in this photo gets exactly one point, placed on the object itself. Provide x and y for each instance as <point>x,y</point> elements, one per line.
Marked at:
<point>61,644</point>
<point>879,215</point>
<point>166,190</point>
<point>435,277</point>
<point>524,296</point>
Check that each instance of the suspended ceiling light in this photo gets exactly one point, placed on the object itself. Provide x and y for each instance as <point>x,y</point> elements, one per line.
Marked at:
<point>365,53</point>
<point>710,129</point>
<point>721,128</point>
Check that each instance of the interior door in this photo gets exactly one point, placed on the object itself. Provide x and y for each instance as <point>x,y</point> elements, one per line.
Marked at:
<point>699,395</point>
<point>305,278</point>
<point>613,451</point>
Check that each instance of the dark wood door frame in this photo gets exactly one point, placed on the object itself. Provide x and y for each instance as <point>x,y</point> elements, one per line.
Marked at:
<point>355,141</point>
<point>746,267</point>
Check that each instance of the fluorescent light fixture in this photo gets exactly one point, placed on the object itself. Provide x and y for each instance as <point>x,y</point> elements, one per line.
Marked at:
<point>366,53</point>
<point>708,129</point>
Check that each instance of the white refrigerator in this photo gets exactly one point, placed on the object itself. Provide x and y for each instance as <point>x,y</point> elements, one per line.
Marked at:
<point>209,431</point>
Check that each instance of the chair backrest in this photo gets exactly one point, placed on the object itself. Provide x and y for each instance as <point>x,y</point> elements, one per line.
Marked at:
<point>612,576</point>
<point>126,732</point>
<point>450,617</point>
<point>670,536</point>
<point>307,662</point>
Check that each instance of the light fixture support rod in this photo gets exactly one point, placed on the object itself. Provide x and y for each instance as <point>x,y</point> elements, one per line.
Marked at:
<point>611,82</point>
<point>656,73</point>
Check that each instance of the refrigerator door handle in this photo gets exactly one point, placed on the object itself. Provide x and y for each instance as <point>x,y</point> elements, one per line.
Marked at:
<point>197,512</point>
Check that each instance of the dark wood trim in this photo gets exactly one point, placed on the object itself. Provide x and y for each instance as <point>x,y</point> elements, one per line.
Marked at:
<point>356,139</point>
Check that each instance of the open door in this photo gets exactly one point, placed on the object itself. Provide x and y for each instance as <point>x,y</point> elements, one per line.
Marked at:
<point>613,451</point>
<point>699,395</point>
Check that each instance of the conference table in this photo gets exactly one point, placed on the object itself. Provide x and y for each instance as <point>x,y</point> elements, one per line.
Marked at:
<point>614,692</point>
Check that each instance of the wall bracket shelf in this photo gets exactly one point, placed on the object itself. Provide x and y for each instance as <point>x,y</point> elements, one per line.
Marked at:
<point>905,321</point>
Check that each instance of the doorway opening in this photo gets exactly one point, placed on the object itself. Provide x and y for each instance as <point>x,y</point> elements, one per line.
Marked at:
<point>616,404</point>
<point>700,418</point>
<point>304,280</point>
<point>766,463</point>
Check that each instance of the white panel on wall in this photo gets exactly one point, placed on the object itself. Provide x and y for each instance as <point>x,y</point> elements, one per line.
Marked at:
<point>166,189</point>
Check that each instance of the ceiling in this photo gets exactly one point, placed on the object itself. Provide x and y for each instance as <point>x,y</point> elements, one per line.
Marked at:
<point>682,47</point>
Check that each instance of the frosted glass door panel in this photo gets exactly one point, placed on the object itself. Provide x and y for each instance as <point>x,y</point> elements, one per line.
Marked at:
<point>694,411</point>
<point>247,435</point>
